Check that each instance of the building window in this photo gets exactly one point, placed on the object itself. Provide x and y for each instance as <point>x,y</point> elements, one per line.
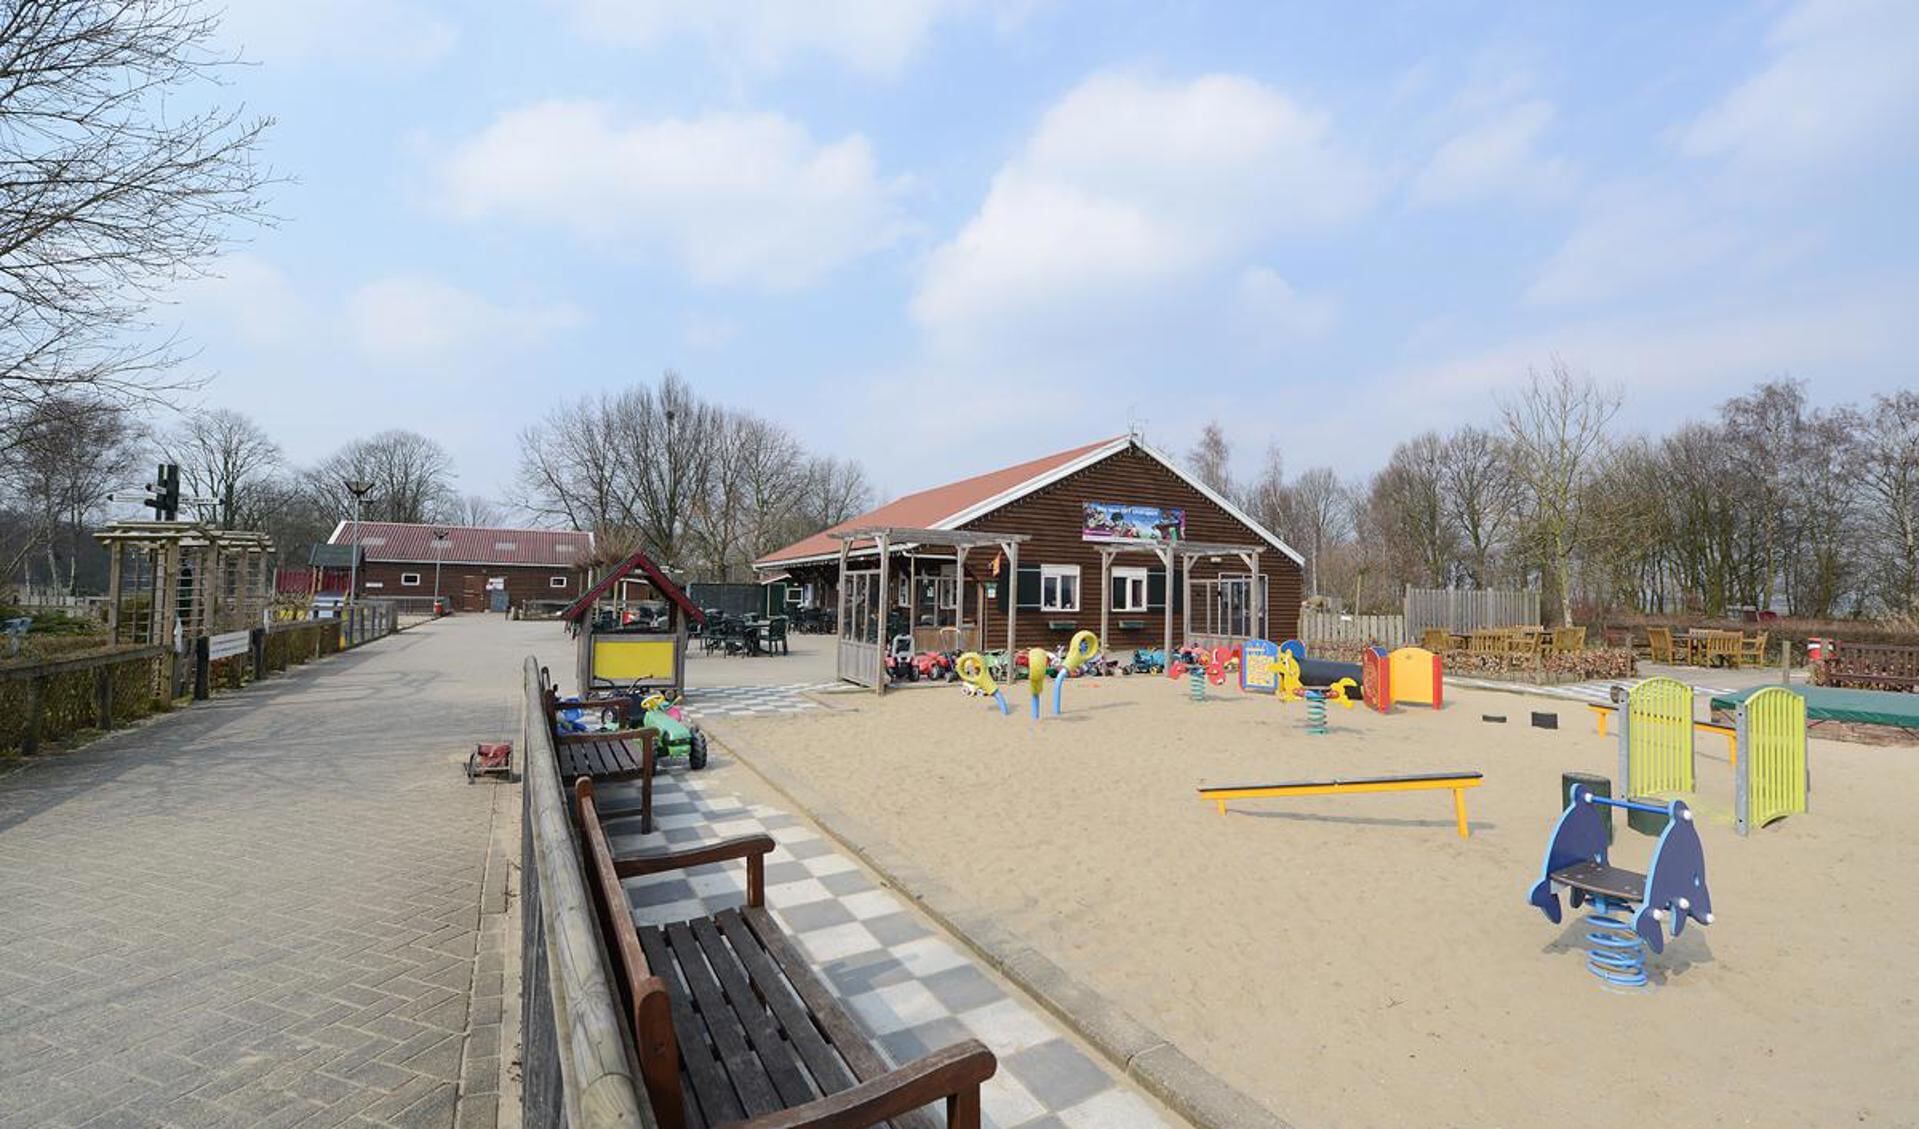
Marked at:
<point>372,542</point>
<point>556,582</point>
<point>1129,589</point>
<point>374,584</point>
<point>563,547</point>
<point>1059,588</point>
<point>505,546</point>
<point>409,580</point>
<point>793,596</point>
<point>947,590</point>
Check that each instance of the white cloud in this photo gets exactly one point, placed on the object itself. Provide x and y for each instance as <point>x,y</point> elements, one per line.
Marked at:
<point>379,31</point>
<point>1273,313</point>
<point>1496,157</point>
<point>1129,185</point>
<point>410,319</point>
<point>737,197</point>
<point>1634,238</point>
<point>1842,83</point>
<point>877,37</point>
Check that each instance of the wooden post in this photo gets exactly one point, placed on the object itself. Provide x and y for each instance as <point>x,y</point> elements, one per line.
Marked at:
<point>1186,593</point>
<point>959,599</point>
<point>1166,559</point>
<point>1105,592</point>
<point>103,697</point>
<point>886,610</point>
<point>36,708</point>
<point>119,551</point>
<point>843,620</point>
<point>1012,599</point>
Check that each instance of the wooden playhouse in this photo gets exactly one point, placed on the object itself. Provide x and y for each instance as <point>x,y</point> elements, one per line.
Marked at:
<point>631,629</point>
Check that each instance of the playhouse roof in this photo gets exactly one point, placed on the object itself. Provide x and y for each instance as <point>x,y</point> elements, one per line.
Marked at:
<point>953,505</point>
<point>636,562</point>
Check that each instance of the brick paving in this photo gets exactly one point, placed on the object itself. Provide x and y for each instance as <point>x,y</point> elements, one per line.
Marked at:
<point>267,910</point>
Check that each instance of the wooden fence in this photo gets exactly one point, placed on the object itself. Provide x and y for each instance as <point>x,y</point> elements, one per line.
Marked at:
<point>1335,627</point>
<point>575,1070</point>
<point>53,700</point>
<point>1469,609</point>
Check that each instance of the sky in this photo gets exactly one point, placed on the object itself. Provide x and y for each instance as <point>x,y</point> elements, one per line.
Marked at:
<point>940,236</point>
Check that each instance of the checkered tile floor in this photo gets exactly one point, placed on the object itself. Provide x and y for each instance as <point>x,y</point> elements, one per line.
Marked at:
<point>912,988</point>
<point>1596,690</point>
<point>753,701</point>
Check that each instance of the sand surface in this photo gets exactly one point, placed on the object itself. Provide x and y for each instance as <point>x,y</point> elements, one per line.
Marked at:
<point>1349,960</point>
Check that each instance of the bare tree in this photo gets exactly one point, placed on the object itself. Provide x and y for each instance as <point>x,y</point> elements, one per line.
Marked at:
<point>411,477</point>
<point>1557,426</point>
<point>67,459</point>
<point>1409,506</point>
<point>1889,473</point>
<point>109,195</point>
<point>1211,459</point>
<point>1480,498</point>
<point>225,456</point>
<point>473,510</point>
<point>1317,517</point>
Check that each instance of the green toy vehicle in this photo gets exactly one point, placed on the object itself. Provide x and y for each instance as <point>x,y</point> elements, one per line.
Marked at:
<point>678,737</point>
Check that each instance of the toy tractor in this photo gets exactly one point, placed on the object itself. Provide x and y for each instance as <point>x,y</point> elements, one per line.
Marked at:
<point>678,737</point>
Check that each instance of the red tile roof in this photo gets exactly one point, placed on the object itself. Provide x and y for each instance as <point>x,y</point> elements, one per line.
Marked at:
<point>929,508</point>
<point>466,544</point>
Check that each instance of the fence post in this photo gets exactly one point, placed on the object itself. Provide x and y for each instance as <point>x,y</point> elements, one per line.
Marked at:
<point>36,706</point>
<point>103,698</point>
<point>257,643</point>
<point>202,669</point>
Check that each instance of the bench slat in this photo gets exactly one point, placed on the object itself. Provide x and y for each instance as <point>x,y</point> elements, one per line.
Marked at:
<point>775,1053</point>
<point>743,1068</point>
<point>826,1066</point>
<point>707,1089</point>
<point>833,1021</point>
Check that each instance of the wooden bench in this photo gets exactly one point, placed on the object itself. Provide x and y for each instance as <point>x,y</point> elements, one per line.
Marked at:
<point>610,756</point>
<point>1872,666</point>
<point>733,1028</point>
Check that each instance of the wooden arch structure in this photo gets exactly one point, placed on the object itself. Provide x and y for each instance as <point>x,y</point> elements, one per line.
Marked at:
<point>863,602</point>
<point>1177,558</point>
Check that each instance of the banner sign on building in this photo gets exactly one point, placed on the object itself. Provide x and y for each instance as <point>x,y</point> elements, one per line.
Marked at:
<point>1107,521</point>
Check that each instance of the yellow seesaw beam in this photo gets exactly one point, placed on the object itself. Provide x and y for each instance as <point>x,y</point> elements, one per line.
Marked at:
<point>1456,782</point>
<point>1600,713</point>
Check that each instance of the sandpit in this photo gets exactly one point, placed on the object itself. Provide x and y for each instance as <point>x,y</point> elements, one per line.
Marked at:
<point>1349,960</point>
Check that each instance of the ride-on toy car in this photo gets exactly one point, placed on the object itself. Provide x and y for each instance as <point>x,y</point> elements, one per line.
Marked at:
<point>677,736</point>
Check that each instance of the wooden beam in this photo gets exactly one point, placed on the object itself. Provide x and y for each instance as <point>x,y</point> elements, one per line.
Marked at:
<point>885,610</point>
<point>1012,598</point>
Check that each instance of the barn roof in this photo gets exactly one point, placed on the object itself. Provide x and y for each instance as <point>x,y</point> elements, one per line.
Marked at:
<point>407,543</point>
<point>953,505</point>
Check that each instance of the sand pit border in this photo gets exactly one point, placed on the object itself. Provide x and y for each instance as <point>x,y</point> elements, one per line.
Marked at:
<point>1136,1050</point>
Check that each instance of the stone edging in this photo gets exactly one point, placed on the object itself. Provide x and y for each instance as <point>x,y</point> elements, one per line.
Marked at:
<point>1136,1050</point>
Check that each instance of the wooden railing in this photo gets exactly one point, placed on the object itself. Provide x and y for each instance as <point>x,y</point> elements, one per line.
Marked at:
<point>54,699</point>
<point>576,1071</point>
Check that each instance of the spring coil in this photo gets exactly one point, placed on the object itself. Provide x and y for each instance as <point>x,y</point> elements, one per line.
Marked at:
<point>1196,678</point>
<point>1618,956</point>
<point>1315,713</point>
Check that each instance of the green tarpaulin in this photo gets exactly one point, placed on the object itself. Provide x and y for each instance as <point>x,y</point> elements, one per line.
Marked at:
<point>1825,703</point>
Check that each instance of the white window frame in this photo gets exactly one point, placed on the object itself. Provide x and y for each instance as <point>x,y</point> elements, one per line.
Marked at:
<point>946,591</point>
<point>1131,575</point>
<point>558,582</point>
<point>409,580</point>
<point>1057,573</point>
<point>373,584</point>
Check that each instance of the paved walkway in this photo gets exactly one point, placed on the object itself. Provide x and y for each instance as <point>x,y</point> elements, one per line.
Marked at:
<point>910,985</point>
<point>266,910</point>
<point>755,701</point>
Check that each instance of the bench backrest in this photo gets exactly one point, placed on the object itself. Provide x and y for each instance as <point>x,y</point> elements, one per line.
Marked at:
<point>645,992</point>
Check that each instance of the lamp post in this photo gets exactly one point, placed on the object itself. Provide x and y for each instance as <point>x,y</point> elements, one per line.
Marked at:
<point>359,488</point>
<point>439,554</point>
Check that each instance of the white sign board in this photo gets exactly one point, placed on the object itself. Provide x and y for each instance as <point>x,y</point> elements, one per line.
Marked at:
<point>228,645</point>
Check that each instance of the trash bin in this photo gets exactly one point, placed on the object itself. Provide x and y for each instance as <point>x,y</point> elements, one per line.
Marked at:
<point>1648,822</point>
<point>1597,785</point>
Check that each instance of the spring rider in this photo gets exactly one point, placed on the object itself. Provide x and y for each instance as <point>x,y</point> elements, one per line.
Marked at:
<point>1627,907</point>
<point>1316,701</point>
<point>971,669</point>
<point>1083,648</point>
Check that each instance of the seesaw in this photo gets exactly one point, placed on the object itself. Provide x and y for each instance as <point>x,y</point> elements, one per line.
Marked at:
<point>1457,782</point>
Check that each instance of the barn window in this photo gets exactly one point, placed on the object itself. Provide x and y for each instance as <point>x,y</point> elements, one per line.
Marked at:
<point>409,580</point>
<point>505,546</point>
<point>1059,588</point>
<point>556,582</point>
<point>1129,589</point>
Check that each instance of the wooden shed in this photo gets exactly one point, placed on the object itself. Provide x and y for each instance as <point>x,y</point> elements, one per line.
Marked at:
<point>630,629</point>
<point>1113,537</point>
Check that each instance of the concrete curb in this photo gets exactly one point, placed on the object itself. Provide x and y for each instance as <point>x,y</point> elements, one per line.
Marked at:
<point>1136,1050</point>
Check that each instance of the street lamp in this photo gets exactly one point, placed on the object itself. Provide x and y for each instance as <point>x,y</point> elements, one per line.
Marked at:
<point>359,488</point>
<point>439,554</point>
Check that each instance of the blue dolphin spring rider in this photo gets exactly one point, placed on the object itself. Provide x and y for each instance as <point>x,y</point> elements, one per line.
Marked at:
<point>1627,908</point>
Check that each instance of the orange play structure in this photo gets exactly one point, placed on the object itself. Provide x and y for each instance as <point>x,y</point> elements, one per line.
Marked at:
<point>1414,675</point>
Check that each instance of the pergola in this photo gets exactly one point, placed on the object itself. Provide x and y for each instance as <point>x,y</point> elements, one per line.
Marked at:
<point>227,575</point>
<point>859,658</point>
<point>1167,553</point>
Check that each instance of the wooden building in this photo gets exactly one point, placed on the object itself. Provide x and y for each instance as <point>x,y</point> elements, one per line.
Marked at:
<point>1078,540</point>
<point>480,569</point>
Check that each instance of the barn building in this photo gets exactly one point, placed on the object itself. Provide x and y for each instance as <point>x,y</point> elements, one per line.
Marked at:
<point>1113,537</point>
<point>480,569</point>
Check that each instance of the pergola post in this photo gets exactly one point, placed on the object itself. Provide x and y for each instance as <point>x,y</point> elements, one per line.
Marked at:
<point>1012,597</point>
<point>1186,593</point>
<point>113,590</point>
<point>886,608</point>
<point>1165,553</point>
<point>959,598</point>
<point>843,621</point>
<point>1105,592</point>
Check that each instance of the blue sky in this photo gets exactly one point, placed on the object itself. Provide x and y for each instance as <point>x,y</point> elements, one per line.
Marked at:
<point>941,235</point>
